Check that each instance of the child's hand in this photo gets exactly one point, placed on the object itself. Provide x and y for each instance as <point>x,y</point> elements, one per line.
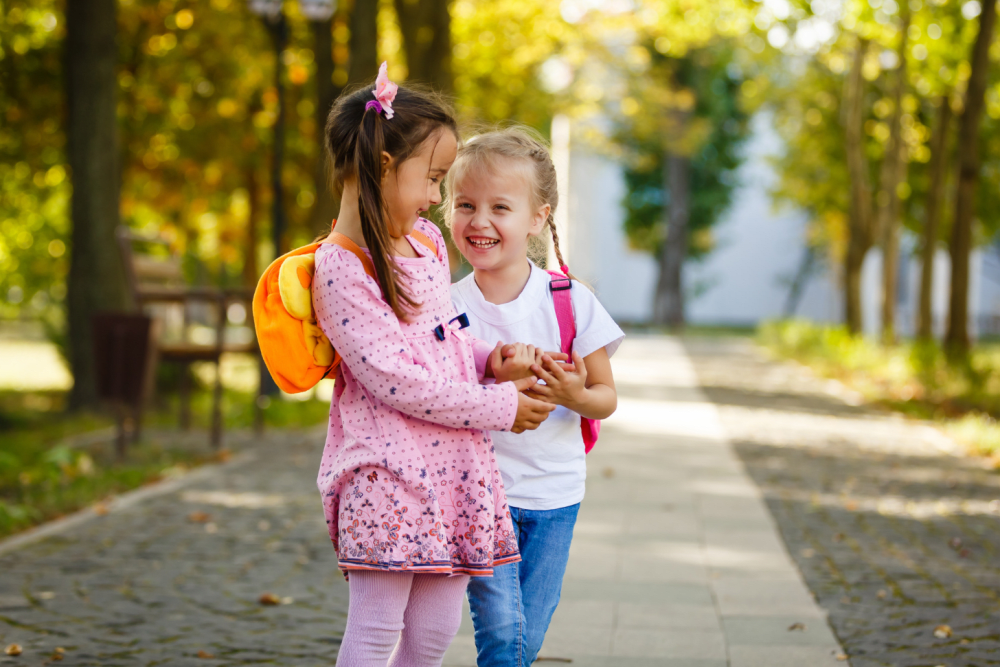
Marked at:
<point>565,385</point>
<point>512,362</point>
<point>531,412</point>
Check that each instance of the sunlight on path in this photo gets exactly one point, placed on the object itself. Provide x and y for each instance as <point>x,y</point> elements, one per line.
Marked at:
<point>676,560</point>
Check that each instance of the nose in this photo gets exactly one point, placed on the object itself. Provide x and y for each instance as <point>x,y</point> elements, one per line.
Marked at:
<point>436,194</point>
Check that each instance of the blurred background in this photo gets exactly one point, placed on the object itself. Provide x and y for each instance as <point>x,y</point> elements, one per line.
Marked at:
<point>823,175</point>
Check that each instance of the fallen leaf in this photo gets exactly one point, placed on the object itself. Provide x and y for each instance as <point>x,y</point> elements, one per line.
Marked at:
<point>838,537</point>
<point>287,600</point>
<point>964,640</point>
<point>850,506</point>
<point>964,553</point>
<point>797,626</point>
<point>841,656</point>
<point>13,649</point>
<point>955,543</point>
<point>881,594</point>
<point>205,655</point>
<point>942,631</point>
<point>199,517</point>
<point>224,455</point>
<point>269,599</point>
<point>808,553</point>
<point>60,650</point>
<point>56,656</point>
<point>100,509</point>
<point>211,528</point>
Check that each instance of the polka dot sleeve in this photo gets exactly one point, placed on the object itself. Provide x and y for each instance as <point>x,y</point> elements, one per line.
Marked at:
<point>367,334</point>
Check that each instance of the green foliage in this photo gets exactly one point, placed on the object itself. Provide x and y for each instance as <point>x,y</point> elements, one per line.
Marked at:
<point>709,74</point>
<point>34,185</point>
<point>915,378</point>
<point>42,476</point>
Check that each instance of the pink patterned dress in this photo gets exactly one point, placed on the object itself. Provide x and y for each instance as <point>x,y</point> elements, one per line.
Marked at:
<point>409,479</point>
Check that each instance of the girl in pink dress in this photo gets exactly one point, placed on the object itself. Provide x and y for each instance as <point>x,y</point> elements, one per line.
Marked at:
<point>413,498</point>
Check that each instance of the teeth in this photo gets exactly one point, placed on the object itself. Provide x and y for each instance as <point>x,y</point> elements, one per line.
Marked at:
<point>484,244</point>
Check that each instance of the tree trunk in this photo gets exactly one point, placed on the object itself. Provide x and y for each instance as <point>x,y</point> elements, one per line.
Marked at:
<point>668,307</point>
<point>250,271</point>
<point>938,170</point>
<point>426,29</point>
<point>859,221</point>
<point>889,203</point>
<point>957,339</point>
<point>326,204</point>
<point>363,65</point>
<point>96,276</point>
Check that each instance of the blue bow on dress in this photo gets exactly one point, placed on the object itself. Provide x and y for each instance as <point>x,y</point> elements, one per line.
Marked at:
<point>454,325</point>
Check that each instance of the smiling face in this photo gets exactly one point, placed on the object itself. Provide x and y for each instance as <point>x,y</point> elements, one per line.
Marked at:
<point>493,215</point>
<point>412,187</point>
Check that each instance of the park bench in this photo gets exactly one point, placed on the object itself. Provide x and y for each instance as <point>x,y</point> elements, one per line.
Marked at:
<point>158,287</point>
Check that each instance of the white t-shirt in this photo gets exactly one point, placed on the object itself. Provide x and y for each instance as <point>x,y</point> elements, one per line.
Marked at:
<point>546,468</point>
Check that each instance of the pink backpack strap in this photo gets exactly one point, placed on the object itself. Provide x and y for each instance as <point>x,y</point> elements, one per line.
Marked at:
<point>560,286</point>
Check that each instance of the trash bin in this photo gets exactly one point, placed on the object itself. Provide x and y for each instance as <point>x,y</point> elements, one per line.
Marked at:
<point>122,361</point>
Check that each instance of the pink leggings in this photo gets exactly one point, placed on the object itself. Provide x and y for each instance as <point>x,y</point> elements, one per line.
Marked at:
<point>417,614</point>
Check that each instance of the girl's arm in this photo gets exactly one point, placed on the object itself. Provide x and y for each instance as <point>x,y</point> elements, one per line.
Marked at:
<point>587,387</point>
<point>366,333</point>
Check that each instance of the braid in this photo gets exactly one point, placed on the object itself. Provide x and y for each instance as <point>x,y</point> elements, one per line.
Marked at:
<point>555,246</point>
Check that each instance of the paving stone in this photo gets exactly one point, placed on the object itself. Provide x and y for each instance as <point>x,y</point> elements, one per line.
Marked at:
<point>866,504</point>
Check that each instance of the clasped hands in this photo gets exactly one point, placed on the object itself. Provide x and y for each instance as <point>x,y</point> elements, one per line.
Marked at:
<point>564,383</point>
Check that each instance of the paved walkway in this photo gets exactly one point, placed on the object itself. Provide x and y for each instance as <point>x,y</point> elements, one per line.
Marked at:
<point>896,534</point>
<point>676,561</point>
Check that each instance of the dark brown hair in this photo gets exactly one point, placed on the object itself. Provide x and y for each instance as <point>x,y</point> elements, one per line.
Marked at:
<point>356,136</point>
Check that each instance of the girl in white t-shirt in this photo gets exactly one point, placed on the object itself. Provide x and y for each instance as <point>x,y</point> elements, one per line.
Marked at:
<point>501,192</point>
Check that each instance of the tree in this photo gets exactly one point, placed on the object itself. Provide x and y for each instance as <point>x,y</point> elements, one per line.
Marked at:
<point>426,29</point>
<point>680,168</point>
<point>957,338</point>
<point>364,42</point>
<point>932,216</point>
<point>859,226</point>
<point>893,175</point>
<point>96,274</point>
<point>326,205</point>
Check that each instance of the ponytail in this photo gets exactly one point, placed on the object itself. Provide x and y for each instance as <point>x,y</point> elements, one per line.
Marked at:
<point>358,133</point>
<point>371,205</point>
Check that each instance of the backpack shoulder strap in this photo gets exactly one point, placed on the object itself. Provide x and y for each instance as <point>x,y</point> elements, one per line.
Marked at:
<point>560,286</point>
<point>337,238</point>
<point>425,240</point>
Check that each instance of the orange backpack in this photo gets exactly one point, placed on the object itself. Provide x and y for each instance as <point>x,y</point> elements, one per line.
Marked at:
<point>296,352</point>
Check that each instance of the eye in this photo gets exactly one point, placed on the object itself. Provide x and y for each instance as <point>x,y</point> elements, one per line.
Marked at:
<point>502,207</point>
<point>434,179</point>
<point>465,205</point>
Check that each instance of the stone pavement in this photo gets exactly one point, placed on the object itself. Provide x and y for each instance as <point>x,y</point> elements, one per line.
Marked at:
<point>895,534</point>
<point>676,561</point>
<point>155,583</point>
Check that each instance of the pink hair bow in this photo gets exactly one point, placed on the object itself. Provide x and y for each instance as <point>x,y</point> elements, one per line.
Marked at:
<point>385,91</point>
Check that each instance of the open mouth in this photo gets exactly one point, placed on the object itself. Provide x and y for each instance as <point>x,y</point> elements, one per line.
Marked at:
<point>481,242</point>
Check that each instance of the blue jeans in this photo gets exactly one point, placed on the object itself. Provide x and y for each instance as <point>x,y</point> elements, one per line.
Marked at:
<point>511,610</point>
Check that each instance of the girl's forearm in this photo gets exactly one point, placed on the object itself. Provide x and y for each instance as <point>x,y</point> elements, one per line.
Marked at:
<point>597,401</point>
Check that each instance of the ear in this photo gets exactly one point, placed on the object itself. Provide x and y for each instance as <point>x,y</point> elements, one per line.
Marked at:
<point>387,163</point>
<point>540,218</point>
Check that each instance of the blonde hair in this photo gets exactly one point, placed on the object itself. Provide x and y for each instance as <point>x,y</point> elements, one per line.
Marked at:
<point>518,143</point>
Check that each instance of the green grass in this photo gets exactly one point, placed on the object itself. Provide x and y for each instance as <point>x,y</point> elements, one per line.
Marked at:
<point>912,378</point>
<point>42,478</point>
